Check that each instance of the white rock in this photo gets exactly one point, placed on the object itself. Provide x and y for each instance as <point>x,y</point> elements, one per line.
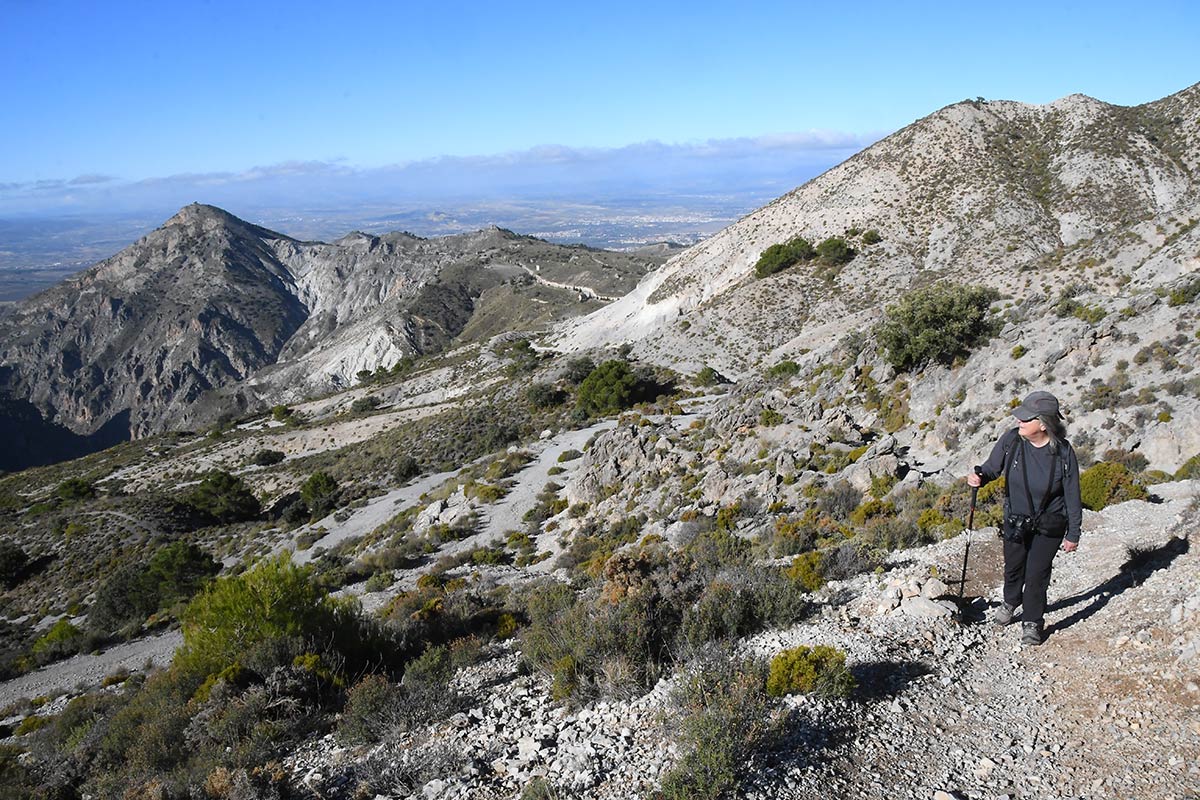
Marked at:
<point>924,608</point>
<point>934,588</point>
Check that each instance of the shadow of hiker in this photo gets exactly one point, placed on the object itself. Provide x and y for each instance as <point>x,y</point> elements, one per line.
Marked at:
<point>1141,563</point>
<point>878,680</point>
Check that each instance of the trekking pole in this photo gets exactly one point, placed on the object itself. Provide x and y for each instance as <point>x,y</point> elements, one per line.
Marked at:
<point>962,582</point>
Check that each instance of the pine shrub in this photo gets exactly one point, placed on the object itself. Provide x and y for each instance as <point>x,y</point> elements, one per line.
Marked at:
<point>817,670</point>
<point>936,324</point>
<point>1106,483</point>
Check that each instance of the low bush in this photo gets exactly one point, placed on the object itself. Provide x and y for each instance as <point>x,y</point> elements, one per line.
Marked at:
<point>782,370</point>
<point>609,388</point>
<point>769,418</point>
<point>936,324</point>
<point>835,251</point>
<point>175,572</point>
<point>818,670</point>
<point>13,562</point>
<point>779,257</point>
<point>543,396</point>
<point>1106,483</point>
<point>365,405</point>
<point>320,494</point>
<point>267,458</point>
<point>806,571</point>
<point>224,497</point>
<point>374,709</point>
<point>1189,469</point>
<point>75,489</point>
<point>723,718</point>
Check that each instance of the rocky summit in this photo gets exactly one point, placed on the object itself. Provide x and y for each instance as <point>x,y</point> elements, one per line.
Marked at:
<point>709,539</point>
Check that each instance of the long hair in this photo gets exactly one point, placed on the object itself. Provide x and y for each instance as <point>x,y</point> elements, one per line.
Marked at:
<point>1056,429</point>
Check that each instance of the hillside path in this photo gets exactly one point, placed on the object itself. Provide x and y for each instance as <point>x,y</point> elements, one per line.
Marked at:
<point>1107,707</point>
<point>90,669</point>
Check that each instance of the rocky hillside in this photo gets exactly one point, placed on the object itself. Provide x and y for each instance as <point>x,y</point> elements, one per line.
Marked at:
<point>209,301</point>
<point>1020,197</point>
<point>1082,215</point>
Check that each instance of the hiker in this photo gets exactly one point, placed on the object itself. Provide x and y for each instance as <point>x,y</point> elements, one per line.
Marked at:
<point>1042,509</point>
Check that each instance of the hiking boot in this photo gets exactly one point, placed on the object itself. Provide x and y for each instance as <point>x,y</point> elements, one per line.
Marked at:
<point>1004,614</point>
<point>1031,633</point>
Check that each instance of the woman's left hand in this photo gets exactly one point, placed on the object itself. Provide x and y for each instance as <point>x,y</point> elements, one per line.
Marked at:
<point>1069,547</point>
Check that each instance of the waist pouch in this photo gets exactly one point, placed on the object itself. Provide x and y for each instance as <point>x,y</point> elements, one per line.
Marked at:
<point>1052,525</point>
<point>1017,527</point>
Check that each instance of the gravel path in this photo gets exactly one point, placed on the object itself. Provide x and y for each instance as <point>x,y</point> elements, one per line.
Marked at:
<point>1103,709</point>
<point>91,669</point>
<point>367,518</point>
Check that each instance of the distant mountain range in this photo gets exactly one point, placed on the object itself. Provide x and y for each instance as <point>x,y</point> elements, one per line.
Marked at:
<point>132,345</point>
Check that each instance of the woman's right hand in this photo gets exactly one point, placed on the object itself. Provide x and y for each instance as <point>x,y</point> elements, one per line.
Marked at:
<point>974,480</point>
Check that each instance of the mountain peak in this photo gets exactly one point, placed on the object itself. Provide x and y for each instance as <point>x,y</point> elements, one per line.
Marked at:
<point>201,212</point>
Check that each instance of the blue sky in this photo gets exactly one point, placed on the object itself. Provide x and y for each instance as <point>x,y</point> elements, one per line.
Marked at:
<point>116,93</point>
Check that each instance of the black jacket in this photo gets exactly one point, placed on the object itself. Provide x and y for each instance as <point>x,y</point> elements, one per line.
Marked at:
<point>1064,503</point>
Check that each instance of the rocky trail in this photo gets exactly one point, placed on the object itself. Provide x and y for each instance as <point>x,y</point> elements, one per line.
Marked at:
<point>1107,707</point>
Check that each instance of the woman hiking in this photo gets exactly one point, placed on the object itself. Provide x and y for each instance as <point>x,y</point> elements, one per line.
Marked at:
<point>1042,508</point>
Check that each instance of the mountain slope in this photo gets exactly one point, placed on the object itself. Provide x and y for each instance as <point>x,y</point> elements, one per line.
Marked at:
<point>985,192</point>
<point>209,301</point>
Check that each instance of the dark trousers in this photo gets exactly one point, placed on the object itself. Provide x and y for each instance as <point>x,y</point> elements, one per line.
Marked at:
<point>1027,573</point>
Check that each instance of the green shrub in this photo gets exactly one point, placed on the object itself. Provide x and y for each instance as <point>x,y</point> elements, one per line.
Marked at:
<point>872,508</point>
<point>75,489</point>
<point>818,670</point>
<point>936,324</point>
<point>13,561</point>
<point>275,599</point>
<point>1106,483</point>
<point>224,497</point>
<point>32,723</point>
<point>872,237</point>
<point>835,251</point>
<point>1019,351</point>
<point>568,455</point>
<point>373,709</point>
<point>578,368</point>
<point>543,395</point>
<point>769,418</point>
<point>723,718</point>
<point>267,458</point>
<point>523,358</point>
<point>611,387</point>
<point>784,369</point>
<point>62,639</point>
<point>366,404</point>
<point>779,257</point>
<point>806,570</point>
<point>1184,294</point>
<point>1189,469</point>
<point>319,493</point>
<point>707,376</point>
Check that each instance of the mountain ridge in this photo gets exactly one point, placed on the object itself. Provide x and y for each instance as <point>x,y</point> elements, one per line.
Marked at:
<point>208,301</point>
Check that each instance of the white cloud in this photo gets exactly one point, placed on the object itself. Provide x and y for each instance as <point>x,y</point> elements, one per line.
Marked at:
<point>662,168</point>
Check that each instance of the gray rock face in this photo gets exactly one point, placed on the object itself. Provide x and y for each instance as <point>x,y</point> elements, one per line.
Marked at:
<point>209,301</point>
